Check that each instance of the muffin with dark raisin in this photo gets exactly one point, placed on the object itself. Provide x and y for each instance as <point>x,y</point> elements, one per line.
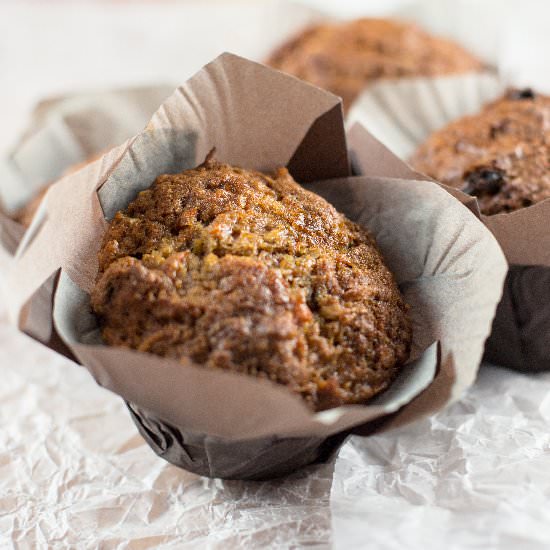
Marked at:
<point>247,272</point>
<point>345,57</point>
<point>500,155</point>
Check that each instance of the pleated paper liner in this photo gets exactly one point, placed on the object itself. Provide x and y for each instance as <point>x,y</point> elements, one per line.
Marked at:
<point>66,131</point>
<point>224,424</point>
<point>402,115</point>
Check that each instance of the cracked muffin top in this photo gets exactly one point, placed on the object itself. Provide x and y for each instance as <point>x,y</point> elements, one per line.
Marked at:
<point>344,57</point>
<point>238,270</point>
<point>500,155</point>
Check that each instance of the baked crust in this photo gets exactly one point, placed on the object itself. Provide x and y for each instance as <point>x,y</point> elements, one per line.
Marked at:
<point>500,155</point>
<point>251,273</point>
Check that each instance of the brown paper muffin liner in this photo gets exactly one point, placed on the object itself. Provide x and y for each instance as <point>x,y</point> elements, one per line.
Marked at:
<point>402,115</point>
<point>223,424</point>
<point>66,131</point>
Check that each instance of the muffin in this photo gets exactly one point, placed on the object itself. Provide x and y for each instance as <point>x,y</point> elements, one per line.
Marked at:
<point>345,57</point>
<point>500,155</point>
<point>237,270</point>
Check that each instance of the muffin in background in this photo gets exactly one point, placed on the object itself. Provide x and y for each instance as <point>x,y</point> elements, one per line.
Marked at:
<point>500,155</point>
<point>26,213</point>
<point>345,57</point>
<point>251,273</point>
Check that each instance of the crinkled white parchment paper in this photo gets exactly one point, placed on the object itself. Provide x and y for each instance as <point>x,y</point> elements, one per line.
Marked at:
<point>474,476</point>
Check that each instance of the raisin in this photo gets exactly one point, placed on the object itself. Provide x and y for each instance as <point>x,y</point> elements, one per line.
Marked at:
<point>526,202</point>
<point>483,181</point>
<point>524,93</point>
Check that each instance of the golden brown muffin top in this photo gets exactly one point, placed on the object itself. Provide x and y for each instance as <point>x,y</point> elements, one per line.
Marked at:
<point>500,155</point>
<point>251,273</point>
<point>344,57</point>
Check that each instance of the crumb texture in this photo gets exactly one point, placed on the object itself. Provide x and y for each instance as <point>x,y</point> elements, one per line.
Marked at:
<point>500,155</point>
<point>344,57</point>
<point>242,271</point>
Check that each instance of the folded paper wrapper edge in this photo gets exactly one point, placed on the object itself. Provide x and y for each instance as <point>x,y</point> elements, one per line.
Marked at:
<point>195,399</point>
